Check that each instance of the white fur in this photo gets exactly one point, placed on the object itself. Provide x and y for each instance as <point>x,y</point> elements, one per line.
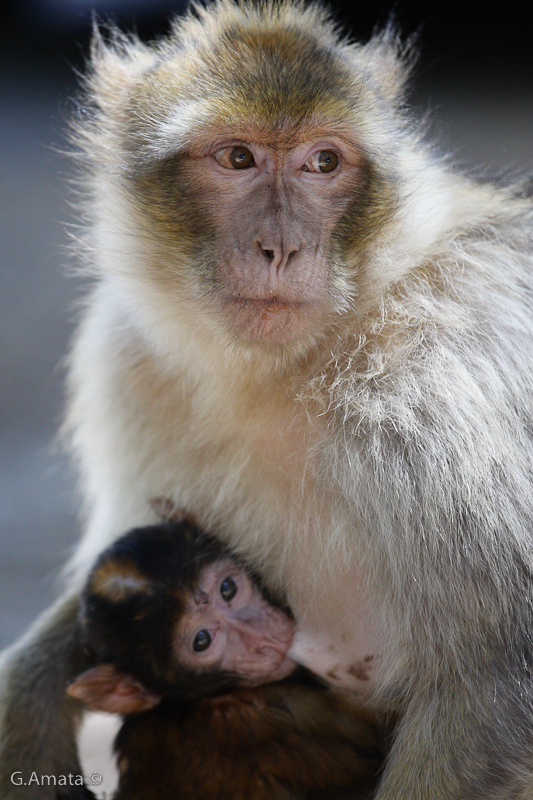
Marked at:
<point>379,472</point>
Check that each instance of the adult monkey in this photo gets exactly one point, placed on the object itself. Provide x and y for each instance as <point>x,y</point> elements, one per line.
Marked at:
<point>317,337</point>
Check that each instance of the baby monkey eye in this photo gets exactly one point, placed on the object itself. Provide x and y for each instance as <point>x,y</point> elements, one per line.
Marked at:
<point>228,589</point>
<point>236,158</point>
<point>202,640</point>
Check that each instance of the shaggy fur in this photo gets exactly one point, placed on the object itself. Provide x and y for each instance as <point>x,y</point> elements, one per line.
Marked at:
<point>378,468</point>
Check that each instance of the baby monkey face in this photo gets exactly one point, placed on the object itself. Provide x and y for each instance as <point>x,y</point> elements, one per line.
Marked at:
<point>230,626</point>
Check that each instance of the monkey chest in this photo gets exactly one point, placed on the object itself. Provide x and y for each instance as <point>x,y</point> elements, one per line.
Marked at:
<point>263,492</point>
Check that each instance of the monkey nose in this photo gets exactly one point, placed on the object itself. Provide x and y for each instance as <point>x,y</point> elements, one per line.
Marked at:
<point>257,639</point>
<point>268,254</point>
<point>276,256</point>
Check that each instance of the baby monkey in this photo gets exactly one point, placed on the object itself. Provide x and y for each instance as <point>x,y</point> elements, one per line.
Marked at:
<point>180,629</point>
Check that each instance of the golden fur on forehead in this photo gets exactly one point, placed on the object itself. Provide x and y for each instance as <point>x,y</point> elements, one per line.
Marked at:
<point>115,580</point>
<point>280,64</point>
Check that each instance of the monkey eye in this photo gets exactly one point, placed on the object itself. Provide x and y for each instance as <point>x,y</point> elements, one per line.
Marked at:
<point>235,158</point>
<point>228,589</point>
<point>322,161</point>
<point>202,640</point>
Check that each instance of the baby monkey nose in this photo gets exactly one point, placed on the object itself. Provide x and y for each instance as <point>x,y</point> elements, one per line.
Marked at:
<point>201,598</point>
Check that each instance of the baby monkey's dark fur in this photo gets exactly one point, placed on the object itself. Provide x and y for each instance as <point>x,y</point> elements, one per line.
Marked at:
<point>282,741</point>
<point>208,739</point>
<point>132,627</point>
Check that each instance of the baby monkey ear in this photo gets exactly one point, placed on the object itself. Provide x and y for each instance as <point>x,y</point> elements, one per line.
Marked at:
<point>169,512</point>
<point>104,688</point>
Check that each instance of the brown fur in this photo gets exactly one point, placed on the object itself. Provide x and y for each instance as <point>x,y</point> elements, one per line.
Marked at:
<point>367,446</point>
<point>279,742</point>
<point>291,739</point>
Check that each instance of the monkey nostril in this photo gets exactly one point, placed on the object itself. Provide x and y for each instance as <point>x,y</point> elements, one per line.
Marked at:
<point>268,254</point>
<point>281,255</point>
<point>265,251</point>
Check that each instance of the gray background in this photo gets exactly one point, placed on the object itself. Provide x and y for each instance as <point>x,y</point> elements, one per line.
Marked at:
<point>482,109</point>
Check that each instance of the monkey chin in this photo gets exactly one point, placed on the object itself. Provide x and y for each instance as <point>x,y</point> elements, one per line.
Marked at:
<point>274,321</point>
<point>283,670</point>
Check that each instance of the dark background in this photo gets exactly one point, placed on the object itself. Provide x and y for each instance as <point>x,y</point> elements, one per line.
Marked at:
<point>475,74</point>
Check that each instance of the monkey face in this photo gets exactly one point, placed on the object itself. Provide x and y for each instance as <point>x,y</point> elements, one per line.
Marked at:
<point>229,626</point>
<point>274,201</point>
<point>254,175</point>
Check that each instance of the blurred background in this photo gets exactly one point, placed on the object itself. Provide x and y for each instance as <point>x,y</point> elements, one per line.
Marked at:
<point>474,75</point>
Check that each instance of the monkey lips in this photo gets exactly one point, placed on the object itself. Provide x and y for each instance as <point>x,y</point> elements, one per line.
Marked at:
<point>274,319</point>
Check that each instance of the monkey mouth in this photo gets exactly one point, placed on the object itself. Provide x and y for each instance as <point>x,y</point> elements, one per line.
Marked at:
<point>276,319</point>
<point>269,305</point>
<point>282,670</point>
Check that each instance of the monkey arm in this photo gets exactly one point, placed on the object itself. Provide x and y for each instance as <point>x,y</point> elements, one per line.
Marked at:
<point>38,719</point>
<point>440,484</point>
<point>467,676</point>
<point>458,744</point>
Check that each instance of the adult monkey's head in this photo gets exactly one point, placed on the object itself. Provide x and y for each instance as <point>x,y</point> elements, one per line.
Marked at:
<point>247,163</point>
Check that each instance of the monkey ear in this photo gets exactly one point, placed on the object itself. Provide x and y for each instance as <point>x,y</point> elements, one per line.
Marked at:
<point>104,688</point>
<point>169,512</point>
<point>389,61</point>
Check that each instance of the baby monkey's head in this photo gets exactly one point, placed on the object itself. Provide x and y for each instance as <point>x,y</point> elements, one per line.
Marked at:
<point>167,610</point>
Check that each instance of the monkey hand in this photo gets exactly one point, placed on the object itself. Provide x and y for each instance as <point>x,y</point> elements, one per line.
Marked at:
<point>38,719</point>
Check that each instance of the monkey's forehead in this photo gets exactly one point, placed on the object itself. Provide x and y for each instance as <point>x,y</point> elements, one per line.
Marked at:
<point>116,579</point>
<point>279,66</point>
<point>282,116</point>
<point>248,74</point>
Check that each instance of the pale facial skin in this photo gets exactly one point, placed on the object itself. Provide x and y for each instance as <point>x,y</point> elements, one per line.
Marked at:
<point>274,203</point>
<point>229,626</point>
